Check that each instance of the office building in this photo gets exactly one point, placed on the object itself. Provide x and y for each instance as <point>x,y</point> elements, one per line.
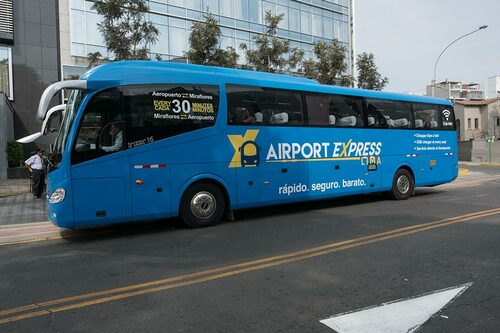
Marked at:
<point>29,62</point>
<point>304,22</point>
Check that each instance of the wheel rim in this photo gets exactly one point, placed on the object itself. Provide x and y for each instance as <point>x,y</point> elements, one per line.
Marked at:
<point>203,205</point>
<point>403,184</point>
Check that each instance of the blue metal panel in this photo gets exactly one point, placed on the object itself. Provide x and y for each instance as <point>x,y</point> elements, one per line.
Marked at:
<point>61,214</point>
<point>100,191</point>
<point>150,186</point>
<point>99,200</point>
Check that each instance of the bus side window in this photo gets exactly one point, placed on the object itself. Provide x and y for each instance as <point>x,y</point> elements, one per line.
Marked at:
<point>290,105</point>
<point>426,117</point>
<point>263,106</point>
<point>347,110</point>
<point>388,114</point>
<point>156,112</point>
<point>318,111</point>
<point>334,110</point>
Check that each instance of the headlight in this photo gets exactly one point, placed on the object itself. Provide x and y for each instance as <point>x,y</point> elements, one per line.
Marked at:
<point>57,196</point>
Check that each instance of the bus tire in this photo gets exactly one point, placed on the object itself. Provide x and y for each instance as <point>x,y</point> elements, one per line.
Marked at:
<point>403,185</point>
<point>202,205</point>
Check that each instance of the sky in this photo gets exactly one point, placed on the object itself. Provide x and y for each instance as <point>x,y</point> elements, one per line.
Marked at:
<point>407,36</point>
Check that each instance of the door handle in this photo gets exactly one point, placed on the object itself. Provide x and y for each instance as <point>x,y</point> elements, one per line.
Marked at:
<point>284,170</point>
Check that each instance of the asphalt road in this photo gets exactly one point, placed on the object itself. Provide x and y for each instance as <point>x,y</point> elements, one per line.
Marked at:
<point>279,269</point>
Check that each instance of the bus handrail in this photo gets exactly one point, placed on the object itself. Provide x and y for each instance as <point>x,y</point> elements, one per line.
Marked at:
<point>53,89</point>
<point>34,136</point>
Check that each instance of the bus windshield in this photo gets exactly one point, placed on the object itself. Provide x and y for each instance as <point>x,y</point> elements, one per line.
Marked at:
<point>74,101</point>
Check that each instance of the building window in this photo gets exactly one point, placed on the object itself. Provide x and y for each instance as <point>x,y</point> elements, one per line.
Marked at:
<point>73,72</point>
<point>6,72</point>
<point>6,22</point>
<point>476,123</point>
<point>469,126</point>
<point>304,22</point>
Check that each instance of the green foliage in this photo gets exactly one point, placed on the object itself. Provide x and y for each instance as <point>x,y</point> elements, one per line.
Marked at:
<point>14,152</point>
<point>204,41</point>
<point>72,77</point>
<point>95,59</point>
<point>330,67</point>
<point>126,32</point>
<point>368,75</point>
<point>271,52</point>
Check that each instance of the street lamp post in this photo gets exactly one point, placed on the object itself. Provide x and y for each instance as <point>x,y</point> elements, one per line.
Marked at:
<point>446,48</point>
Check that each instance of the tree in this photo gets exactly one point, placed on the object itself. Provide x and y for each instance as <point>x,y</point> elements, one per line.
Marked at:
<point>95,59</point>
<point>271,50</point>
<point>330,67</point>
<point>126,32</point>
<point>368,75</point>
<point>204,41</point>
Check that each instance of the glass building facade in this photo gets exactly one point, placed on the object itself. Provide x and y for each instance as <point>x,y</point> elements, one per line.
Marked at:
<point>304,22</point>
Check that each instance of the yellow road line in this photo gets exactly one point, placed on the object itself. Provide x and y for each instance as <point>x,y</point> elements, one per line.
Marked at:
<point>45,308</point>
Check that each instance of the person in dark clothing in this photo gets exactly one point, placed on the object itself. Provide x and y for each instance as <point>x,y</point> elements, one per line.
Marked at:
<point>35,167</point>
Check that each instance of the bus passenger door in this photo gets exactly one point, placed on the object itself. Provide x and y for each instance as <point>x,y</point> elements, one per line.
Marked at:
<point>99,193</point>
<point>99,165</point>
<point>150,190</point>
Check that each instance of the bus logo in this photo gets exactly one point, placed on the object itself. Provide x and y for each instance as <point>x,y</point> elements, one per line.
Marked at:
<point>249,154</point>
<point>246,150</point>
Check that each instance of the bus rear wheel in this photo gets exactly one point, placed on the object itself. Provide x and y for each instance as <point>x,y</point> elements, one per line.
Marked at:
<point>402,185</point>
<point>202,205</point>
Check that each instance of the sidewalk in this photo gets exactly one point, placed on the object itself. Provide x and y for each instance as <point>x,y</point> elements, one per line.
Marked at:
<point>10,187</point>
<point>22,208</point>
<point>17,204</point>
<point>478,163</point>
<point>22,217</point>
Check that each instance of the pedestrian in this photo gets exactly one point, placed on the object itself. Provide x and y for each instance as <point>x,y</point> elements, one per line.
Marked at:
<point>35,167</point>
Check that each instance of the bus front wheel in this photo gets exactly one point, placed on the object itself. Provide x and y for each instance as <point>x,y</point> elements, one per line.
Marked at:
<point>402,185</point>
<point>202,205</point>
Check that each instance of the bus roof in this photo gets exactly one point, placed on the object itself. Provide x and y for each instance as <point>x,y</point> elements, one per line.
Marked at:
<point>154,72</point>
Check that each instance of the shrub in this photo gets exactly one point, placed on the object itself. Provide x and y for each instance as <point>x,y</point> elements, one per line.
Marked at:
<point>14,154</point>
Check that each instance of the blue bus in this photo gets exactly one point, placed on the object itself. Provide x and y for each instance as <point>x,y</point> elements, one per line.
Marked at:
<point>150,140</point>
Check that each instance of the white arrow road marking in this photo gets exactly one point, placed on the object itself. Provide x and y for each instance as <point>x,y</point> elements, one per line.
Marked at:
<point>405,315</point>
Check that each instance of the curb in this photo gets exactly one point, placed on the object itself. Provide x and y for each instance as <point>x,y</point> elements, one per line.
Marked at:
<point>490,164</point>
<point>11,234</point>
